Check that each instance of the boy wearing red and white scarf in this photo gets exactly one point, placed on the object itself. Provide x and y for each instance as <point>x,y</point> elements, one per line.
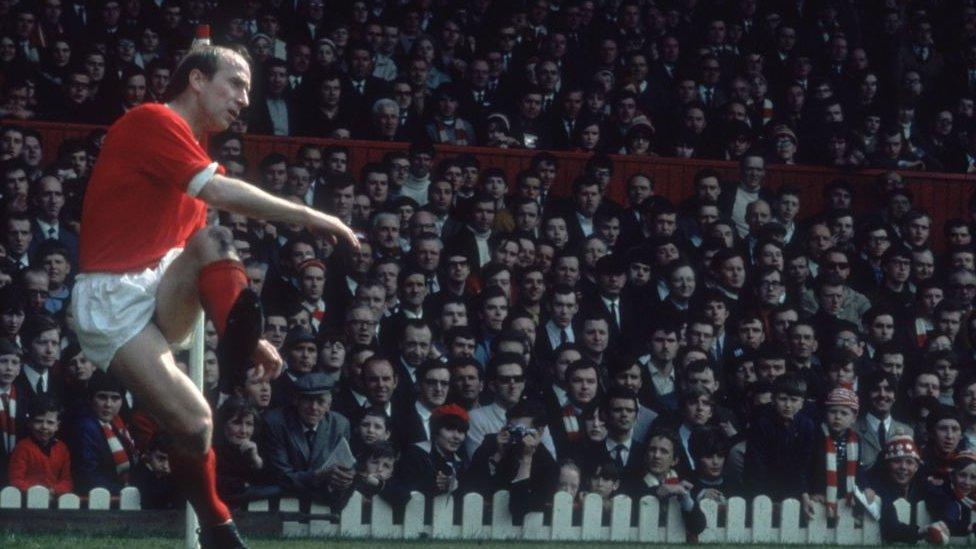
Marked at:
<point>102,450</point>
<point>836,463</point>
<point>11,418</point>
<point>953,503</point>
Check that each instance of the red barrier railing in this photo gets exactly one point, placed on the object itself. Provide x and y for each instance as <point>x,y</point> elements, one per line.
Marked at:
<point>943,195</point>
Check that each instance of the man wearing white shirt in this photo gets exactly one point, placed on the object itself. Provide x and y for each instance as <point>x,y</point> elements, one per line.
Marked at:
<point>506,374</point>
<point>414,421</point>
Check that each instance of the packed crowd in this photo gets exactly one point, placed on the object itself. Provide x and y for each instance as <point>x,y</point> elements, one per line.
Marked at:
<point>856,84</point>
<point>491,335</point>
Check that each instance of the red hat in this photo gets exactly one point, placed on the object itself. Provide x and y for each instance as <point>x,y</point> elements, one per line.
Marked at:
<point>901,446</point>
<point>842,397</point>
<point>449,410</point>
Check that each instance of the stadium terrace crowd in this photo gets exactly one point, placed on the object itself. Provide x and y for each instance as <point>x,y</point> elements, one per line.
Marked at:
<point>878,83</point>
<point>490,335</point>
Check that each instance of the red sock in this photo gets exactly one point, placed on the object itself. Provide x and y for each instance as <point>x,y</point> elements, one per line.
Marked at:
<point>220,283</point>
<point>198,476</point>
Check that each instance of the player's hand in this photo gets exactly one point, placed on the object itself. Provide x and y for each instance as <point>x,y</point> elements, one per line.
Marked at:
<point>332,227</point>
<point>267,361</point>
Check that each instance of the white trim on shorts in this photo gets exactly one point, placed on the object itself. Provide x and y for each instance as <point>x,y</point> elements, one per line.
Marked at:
<point>109,309</point>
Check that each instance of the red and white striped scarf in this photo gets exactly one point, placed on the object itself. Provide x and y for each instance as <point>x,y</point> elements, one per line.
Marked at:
<point>965,500</point>
<point>670,479</point>
<point>851,469</point>
<point>120,444</point>
<point>444,136</point>
<point>571,423</point>
<point>8,419</point>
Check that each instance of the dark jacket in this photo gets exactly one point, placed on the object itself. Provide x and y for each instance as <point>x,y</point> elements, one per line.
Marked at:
<point>779,456</point>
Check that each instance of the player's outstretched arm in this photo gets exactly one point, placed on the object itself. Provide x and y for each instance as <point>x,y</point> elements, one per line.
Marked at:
<point>237,196</point>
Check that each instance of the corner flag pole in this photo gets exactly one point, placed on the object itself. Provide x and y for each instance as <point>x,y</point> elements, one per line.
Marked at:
<point>195,372</point>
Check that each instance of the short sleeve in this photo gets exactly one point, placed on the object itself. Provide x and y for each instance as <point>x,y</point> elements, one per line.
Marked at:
<point>171,152</point>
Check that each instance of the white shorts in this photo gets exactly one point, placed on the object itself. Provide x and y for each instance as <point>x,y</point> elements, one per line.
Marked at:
<point>109,309</point>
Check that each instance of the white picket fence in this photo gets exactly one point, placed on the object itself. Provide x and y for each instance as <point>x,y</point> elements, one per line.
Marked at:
<point>725,525</point>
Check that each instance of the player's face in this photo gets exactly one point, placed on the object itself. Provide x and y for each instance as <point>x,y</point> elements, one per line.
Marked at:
<point>225,94</point>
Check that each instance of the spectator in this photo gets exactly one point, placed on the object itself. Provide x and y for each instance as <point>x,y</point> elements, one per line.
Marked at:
<point>437,466</point>
<point>102,450</point>
<point>41,459</point>
<point>242,474</point>
<point>300,436</point>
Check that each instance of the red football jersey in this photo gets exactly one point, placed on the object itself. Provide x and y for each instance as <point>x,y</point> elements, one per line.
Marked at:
<point>136,206</point>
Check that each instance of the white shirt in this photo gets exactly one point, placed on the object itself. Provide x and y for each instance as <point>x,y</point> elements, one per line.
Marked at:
<point>555,334</point>
<point>874,421</point>
<point>742,199</point>
<point>685,433</point>
<point>625,452</point>
<point>47,229</point>
<point>424,414</point>
<point>613,305</point>
<point>416,189</point>
<point>484,253</point>
<point>278,110</point>
<point>33,375</point>
<point>663,382</point>
<point>585,223</point>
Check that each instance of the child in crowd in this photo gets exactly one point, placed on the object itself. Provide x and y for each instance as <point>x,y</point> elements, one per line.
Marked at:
<point>372,428</point>
<point>953,502</point>
<point>836,459</point>
<point>780,443</point>
<point>41,459</point>
<point>154,478</point>
<point>374,469</point>
<point>710,448</point>
<point>102,450</point>
<point>604,481</point>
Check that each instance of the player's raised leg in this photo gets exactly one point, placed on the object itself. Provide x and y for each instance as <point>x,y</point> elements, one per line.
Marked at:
<point>145,365</point>
<point>208,273</point>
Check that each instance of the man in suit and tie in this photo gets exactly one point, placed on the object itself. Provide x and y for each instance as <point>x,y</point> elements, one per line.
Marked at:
<point>876,426</point>
<point>476,97</point>
<point>41,336</point>
<point>48,198</point>
<point>17,239</point>
<point>559,328</point>
<point>612,299</point>
<point>301,436</point>
<point>411,423</point>
<point>621,446</point>
<point>362,89</point>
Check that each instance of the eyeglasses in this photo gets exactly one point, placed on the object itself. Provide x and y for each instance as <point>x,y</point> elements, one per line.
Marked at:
<point>837,265</point>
